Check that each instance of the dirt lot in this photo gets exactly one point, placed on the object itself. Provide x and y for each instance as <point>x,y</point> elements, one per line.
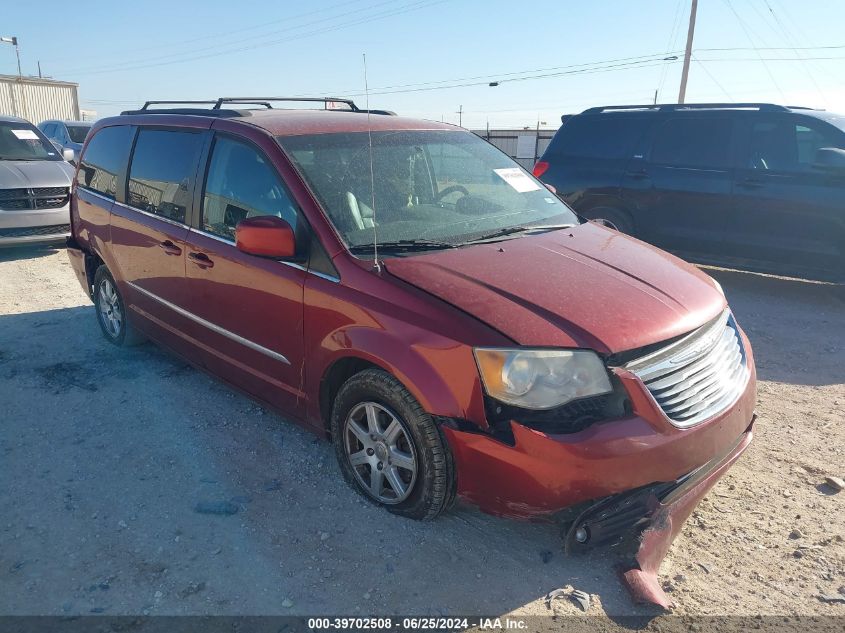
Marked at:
<point>105,454</point>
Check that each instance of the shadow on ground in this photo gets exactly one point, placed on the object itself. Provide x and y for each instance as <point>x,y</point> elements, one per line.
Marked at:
<point>113,449</point>
<point>15,253</point>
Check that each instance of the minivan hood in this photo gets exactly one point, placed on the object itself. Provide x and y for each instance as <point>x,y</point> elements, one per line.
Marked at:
<point>588,286</point>
<point>21,174</point>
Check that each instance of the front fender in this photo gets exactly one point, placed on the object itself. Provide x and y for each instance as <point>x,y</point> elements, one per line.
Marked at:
<point>439,373</point>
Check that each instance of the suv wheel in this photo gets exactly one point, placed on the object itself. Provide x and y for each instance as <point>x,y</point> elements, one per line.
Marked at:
<point>614,218</point>
<point>111,311</point>
<point>390,449</point>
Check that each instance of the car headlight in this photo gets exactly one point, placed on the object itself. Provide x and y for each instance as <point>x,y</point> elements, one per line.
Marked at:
<point>541,379</point>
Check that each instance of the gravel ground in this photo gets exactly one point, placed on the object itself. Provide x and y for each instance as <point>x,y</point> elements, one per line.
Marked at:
<point>106,455</point>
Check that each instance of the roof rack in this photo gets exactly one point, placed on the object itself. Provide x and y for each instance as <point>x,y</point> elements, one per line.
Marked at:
<point>265,101</point>
<point>217,109</point>
<point>669,107</point>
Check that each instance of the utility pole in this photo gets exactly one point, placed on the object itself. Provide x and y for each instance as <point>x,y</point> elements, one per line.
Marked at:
<point>39,69</point>
<point>460,114</point>
<point>688,54</point>
<point>14,42</point>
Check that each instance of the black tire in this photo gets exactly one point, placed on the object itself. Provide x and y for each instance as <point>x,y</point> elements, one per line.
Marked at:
<point>620,220</point>
<point>433,488</point>
<point>123,335</point>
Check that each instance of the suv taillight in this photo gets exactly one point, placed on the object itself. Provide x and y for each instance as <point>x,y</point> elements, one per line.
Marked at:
<point>540,168</point>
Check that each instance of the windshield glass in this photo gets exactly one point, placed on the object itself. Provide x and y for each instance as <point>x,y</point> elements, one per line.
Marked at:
<point>444,186</point>
<point>22,141</point>
<point>78,133</point>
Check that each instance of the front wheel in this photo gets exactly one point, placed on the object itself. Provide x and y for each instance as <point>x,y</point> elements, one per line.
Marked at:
<point>613,218</point>
<point>390,449</point>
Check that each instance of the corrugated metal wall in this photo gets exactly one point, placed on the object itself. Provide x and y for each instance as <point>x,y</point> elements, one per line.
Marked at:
<point>38,99</point>
<point>507,141</point>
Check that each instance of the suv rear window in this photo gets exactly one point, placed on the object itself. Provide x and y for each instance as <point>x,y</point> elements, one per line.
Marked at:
<point>163,165</point>
<point>104,159</point>
<point>601,136</point>
<point>688,142</point>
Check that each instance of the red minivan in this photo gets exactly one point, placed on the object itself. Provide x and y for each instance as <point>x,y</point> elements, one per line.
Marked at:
<point>404,288</point>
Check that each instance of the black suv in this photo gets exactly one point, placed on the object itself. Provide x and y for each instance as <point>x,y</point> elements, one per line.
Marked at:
<point>750,185</point>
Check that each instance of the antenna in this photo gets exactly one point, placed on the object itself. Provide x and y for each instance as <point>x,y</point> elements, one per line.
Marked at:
<point>376,265</point>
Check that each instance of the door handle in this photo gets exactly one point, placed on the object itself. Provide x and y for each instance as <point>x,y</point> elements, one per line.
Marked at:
<point>170,248</point>
<point>201,260</point>
<point>637,174</point>
<point>751,183</point>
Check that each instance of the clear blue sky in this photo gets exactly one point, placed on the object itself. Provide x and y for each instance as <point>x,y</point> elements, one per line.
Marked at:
<point>123,53</point>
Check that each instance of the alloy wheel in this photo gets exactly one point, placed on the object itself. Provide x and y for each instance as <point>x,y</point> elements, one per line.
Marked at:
<point>109,306</point>
<point>381,452</point>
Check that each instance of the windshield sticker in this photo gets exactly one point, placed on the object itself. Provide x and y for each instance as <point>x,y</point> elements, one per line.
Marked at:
<point>517,179</point>
<point>549,200</point>
<point>25,135</point>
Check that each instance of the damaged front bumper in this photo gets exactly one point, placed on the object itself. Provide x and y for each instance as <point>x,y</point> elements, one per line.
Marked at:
<point>654,515</point>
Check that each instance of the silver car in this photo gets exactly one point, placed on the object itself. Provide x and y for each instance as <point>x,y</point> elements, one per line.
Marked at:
<point>34,185</point>
<point>66,134</point>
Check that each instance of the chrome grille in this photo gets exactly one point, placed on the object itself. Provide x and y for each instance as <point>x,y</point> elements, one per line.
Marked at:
<point>32,231</point>
<point>34,198</point>
<point>698,376</point>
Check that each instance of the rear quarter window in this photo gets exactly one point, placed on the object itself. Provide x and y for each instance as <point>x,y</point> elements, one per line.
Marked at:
<point>608,136</point>
<point>104,160</point>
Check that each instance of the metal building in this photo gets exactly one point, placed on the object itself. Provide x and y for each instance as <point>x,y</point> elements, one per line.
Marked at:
<point>37,99</point>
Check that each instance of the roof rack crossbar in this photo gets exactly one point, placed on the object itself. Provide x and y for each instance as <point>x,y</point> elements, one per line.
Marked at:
<point>690,106</point>
<point>147,104</point>
<point>265,101</point>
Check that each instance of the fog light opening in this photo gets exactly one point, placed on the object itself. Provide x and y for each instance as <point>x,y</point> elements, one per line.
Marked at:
<point>582,534</point>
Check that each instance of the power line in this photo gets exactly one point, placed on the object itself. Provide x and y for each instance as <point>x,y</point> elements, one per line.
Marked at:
<point>585,71</point>
<point>712,78</point>
<point>229,33</point>
<point>414,6</point>
<point>771,59</point>
<point>500,76</point>
<point>772,48</point>
<point>747,32</point>
<point>670,44</point>
<point>634,62</point>
<point>795,50</point>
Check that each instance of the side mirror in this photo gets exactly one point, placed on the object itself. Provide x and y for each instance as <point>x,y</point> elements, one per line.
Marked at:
<point>68,154</point>
<point>266,236</point>
<point>830,158</point>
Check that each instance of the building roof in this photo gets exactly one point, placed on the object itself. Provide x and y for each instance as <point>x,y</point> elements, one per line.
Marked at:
<point>37,80</point>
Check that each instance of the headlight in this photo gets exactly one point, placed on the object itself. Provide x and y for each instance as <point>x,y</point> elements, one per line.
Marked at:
<point>541,379</point>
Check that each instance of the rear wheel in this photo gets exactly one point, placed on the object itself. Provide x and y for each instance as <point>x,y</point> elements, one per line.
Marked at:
<point>390,449</point>
<point>111,311</point>
<point>614,218</point>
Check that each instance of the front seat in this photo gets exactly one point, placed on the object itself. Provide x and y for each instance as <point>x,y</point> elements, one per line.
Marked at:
<point>362,215</point>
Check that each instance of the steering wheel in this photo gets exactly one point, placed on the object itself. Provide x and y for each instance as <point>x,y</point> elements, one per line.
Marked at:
<point>452,189</point>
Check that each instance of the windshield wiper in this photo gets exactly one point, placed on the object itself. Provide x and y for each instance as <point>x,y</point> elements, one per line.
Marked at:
<point>406,245</point>
<point>511,230</point>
